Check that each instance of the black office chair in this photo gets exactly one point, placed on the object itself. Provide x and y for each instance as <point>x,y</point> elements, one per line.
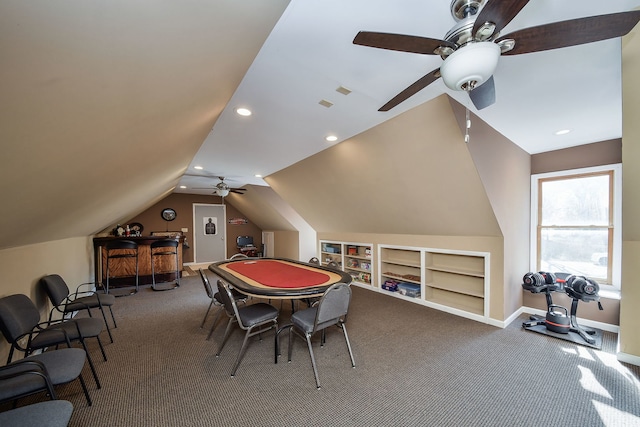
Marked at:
<point>20,324</point>
<point>254,319</point>
<point>41,373</point>
<point>66,303</point>
<point>216,300</point>
<point>331,310</point>
<point>50,413</point>
<point>164,248</point>
<point>121,250</point>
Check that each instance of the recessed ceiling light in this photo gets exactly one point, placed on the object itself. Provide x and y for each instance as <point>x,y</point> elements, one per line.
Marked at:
<point>258,175</point>
<point>243,111</point>
<point>183,186</point>
<point>331,138</point>
<point>563,132</point>
<point>198,167</point>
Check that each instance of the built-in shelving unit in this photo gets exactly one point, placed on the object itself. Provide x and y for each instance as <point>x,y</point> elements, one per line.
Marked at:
<point>353,258</point>
<point>449,280</point>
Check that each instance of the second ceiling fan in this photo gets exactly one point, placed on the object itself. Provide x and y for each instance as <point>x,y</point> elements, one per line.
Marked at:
<point>222,189</point>
<point>472,48</point>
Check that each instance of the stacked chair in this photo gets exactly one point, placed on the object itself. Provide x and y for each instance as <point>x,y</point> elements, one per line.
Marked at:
<point>53,413</point>
<point>66,303</point>
<point>20,324</point>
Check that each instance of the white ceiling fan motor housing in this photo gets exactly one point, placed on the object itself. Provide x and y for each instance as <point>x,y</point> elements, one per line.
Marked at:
<point>470,66</point>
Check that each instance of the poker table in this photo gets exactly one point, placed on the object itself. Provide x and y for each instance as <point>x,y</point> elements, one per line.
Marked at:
<point>278,278</point>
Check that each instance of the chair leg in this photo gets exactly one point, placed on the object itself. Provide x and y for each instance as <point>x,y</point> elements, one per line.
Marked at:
<point>227,332</point>
<point>206,314</point>
<point>84,389</point>
<point>104,355</point>
<point>215,322</point>
<point>93,368</point>
<point>313,360</point>
<point>115,325</point>
<point>346,338</point>
<point>243,349</point>
<point>106,324</point>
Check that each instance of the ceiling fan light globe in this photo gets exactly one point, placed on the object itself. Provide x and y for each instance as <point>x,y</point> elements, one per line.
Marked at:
<point>474,62</point>
<point>222,192</point>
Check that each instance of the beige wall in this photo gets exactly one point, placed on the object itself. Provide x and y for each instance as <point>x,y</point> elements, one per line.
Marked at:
<point>629,314</point>
<point>286,245</point>
<point>583,156</point>
<point>504,169</point>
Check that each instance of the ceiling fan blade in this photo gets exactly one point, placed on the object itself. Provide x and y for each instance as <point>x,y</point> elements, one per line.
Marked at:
<point>237,190</point>
<point>484,95</point>
<point>401,42</point>
<point>499,12</point>
<point>571,33</point>
<point>412,90</point>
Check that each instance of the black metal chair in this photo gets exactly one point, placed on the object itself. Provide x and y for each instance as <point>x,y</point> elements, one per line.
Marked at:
<point>20,324</point>
<point>119,250</point>
<point>254,319</point>
<point>162,248</point>
<point>50,413</point>
<point>314,260</point>
<point>216,300</point>
<point>237,256</point>
<point>331,310</point>
<point>66,303</point>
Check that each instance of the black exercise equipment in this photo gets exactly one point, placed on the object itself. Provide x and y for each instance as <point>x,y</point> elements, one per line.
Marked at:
<point>558,319</point>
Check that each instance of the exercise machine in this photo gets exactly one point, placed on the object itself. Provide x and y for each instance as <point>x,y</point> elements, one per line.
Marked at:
<point>558,319</point>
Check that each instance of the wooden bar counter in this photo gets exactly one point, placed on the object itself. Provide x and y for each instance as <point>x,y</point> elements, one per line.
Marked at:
<point>164,266</point>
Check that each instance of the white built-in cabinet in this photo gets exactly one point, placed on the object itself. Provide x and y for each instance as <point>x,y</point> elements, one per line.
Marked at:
<point>455,281</point>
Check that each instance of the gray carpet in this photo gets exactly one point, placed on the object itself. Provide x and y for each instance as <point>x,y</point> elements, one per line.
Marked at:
<point>414,367</point>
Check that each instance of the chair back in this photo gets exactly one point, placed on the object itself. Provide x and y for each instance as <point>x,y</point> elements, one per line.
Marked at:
<point>18,316</point>
<point>227,299</point>
<point>314,260</point>
<point>164,243</point>
<point>237,256</point>
<point>333,306</point>
<point>206,283</point>
<point>55,287</point>
<point>122,244</point>
<point>334,265</point>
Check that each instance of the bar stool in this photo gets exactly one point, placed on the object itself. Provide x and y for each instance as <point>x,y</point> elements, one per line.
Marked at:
<point>121,250</point>
<point>161,248</point>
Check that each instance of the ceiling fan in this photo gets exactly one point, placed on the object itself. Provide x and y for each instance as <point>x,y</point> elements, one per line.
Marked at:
<point>471,48</point>
<point>222,189</point>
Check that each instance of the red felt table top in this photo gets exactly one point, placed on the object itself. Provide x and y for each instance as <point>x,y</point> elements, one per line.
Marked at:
<point>278,274</point>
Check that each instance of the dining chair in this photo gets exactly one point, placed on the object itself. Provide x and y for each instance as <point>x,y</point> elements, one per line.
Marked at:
<point>331,310</point>
<point>254,319</point>
<point>67,303</point>
<point>237,256</point>
<point>50,413</point>
<point>216,300</point>
<point>314,260</point>
<point>21,327</point>
<point>41,373</point>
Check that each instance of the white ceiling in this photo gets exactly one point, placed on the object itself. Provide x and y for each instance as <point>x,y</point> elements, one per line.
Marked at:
<point>309,54</point>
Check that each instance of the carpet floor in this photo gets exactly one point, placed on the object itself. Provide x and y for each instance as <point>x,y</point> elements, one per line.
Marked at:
<point>415,366</point>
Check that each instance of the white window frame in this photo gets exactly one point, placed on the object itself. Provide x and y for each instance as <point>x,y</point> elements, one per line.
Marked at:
<point>616,262</point>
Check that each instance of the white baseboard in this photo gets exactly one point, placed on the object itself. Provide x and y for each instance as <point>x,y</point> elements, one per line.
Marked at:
<point>628,358</point>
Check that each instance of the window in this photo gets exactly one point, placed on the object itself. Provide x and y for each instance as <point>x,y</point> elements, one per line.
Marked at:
<point>576,223</point>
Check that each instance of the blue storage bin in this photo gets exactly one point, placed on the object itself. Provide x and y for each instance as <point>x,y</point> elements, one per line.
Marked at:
<point>409,289</point>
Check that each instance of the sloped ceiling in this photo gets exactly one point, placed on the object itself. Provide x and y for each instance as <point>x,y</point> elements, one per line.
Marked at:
<point>410,175</point>
<point>104,104</point>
